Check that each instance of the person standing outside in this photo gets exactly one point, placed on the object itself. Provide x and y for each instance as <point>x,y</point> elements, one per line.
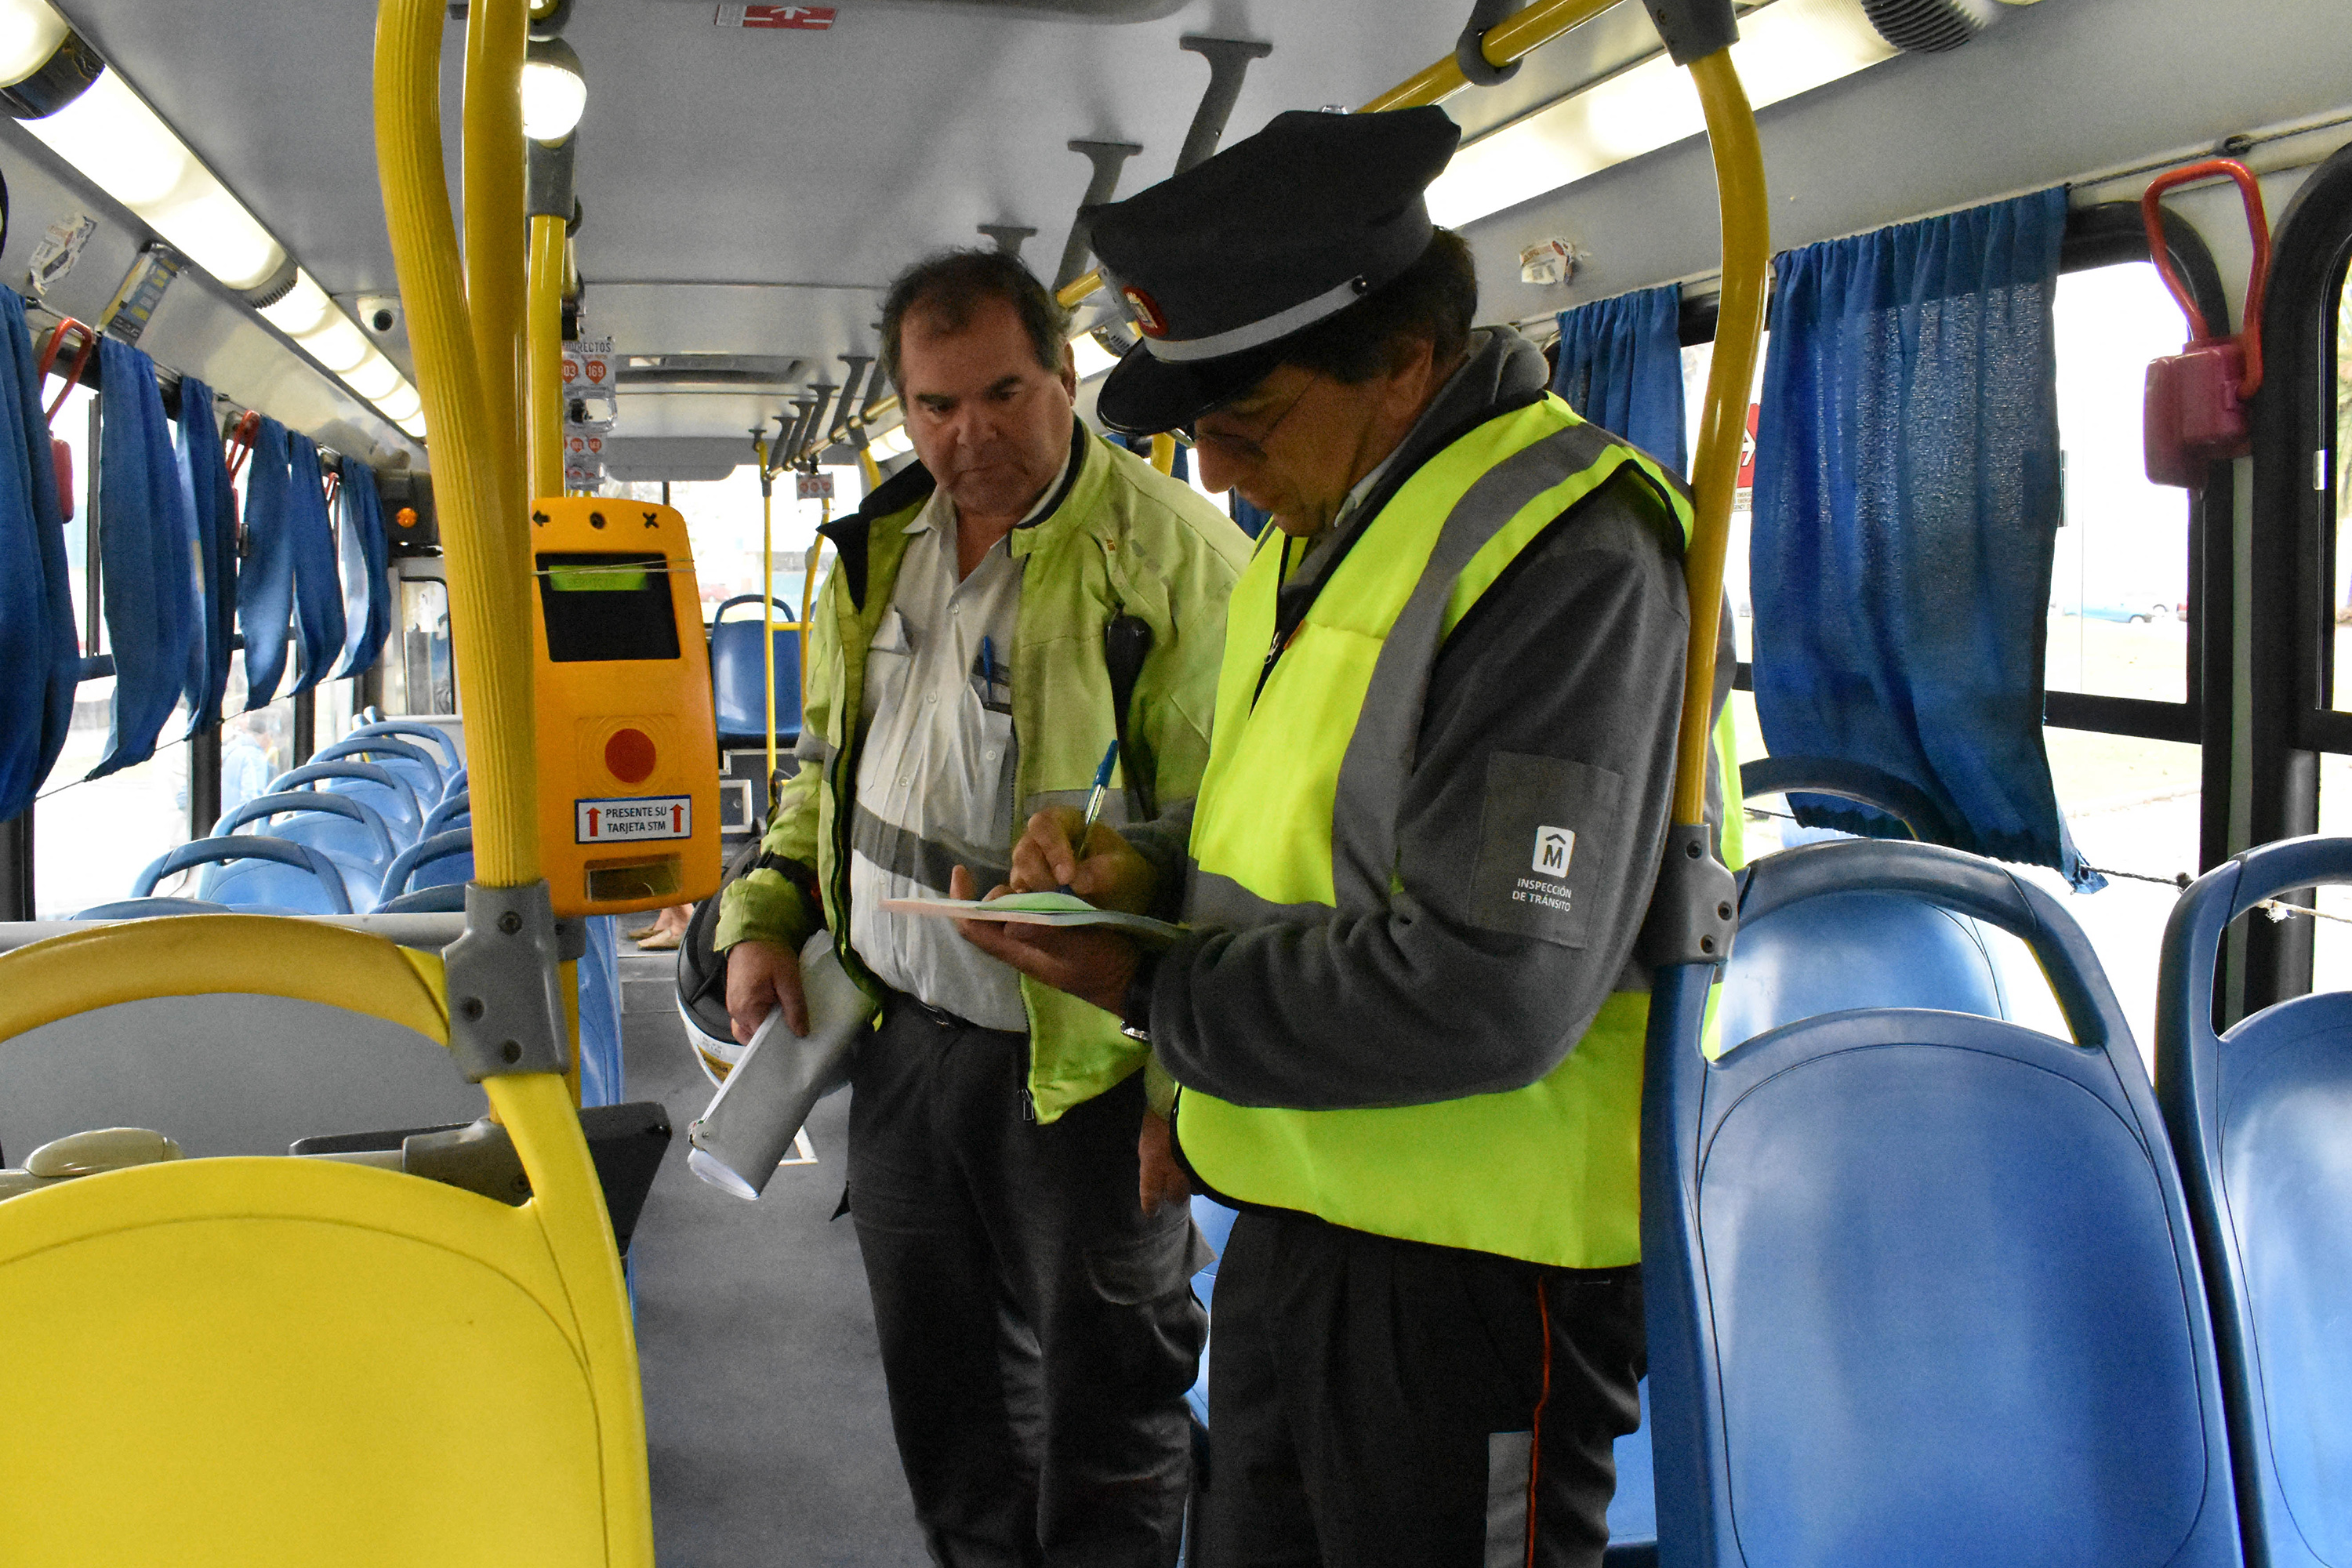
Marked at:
<point>1037,1327</point>
<point>1407,1021</point>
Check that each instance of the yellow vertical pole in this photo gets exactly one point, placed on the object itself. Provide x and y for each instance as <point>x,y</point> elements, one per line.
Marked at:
<point>1163,452</point>
<point>808,593</point>
<point>545,392</point>
<point>489,609</point>
<point>1723,421</point>
<point>768,610</point>
<point>870,468</point>
<point>497,232</point>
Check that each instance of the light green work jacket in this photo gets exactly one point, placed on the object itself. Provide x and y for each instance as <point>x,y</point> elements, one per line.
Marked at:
<point>1122,539</point>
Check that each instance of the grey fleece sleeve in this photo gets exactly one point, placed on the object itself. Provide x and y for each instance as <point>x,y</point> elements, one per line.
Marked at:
<point>1163,841</point>
<point>1528,845</point>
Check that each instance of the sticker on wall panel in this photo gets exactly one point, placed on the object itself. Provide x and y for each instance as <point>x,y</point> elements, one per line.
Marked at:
<point>632,820</point>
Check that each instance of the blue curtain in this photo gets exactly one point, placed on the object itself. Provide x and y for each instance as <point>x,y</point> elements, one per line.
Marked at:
<point>1906,501</point>
<point>367,594</point>
<point>212,505</point>
<point>1620,367</point>
<point>318,587</point>
<point>40,658</point>
<point>147,555</point>
<point>265,584</point>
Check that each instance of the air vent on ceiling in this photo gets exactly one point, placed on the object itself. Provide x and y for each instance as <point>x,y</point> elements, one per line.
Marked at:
<point>1929,27</point>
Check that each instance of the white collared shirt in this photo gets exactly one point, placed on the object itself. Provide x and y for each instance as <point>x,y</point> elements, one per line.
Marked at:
<point>936,782</point>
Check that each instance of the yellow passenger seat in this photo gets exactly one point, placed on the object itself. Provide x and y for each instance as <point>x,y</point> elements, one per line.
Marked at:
<point>292,1361</point>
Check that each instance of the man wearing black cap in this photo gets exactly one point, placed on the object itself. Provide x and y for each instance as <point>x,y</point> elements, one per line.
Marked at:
<point>1407,1022</point>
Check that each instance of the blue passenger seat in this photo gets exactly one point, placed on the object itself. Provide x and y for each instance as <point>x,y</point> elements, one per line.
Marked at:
<point>445,859</point>
<point>389,794</point>
<point>2262,1120</point>
<point>739,677</point>
<point>417,732</point>
<point>1856,948</point>
<point>455,810</point>
<point>411,764</point>
<point>148,908</point>
<point>1922,1288</point>
<point>342,827</point>
<point>252,875</point>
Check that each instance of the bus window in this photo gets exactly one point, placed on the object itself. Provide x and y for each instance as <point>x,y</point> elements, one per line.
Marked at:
<point>91,836</point>
<point>428,682</point>
<point>2119,582</point>
<point>2331,958</point>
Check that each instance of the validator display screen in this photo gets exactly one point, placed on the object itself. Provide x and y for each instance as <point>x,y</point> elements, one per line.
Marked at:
<point>603,606</point>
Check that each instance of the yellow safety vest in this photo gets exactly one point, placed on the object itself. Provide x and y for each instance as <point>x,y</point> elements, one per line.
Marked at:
<point>1296,815</point>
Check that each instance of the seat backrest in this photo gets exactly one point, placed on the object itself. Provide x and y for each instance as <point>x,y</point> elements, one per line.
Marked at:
<point>275,874</point>
<point>410,763</point>
<point>1855,950</point>
<point>446,857</point>
<point>455,810</point>
<point>232,1332</point>
<point>739,674</point>
<point>442,741</point>
<point>344,828</point>
<point>393,798</point>
<point>1922,1285</point>
<point>2261,1118</point>
<point>145,909</point>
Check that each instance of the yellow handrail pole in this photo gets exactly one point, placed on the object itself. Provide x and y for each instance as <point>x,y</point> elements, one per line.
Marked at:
<point>489,610</point>
<point>768,610</point>
<point>1163,452</point>
<point>497,228</point>
<point>1723,421</point>
<point>1516,36</point>
<point>545,383</point>
<point>808,594</point>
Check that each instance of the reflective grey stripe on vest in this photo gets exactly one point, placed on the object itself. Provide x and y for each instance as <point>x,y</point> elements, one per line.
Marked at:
<point>1379,754</point>
<point>929,861</point>
<point>1211,900</point>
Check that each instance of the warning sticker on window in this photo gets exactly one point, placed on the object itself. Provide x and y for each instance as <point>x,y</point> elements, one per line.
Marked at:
<point>627,821</point>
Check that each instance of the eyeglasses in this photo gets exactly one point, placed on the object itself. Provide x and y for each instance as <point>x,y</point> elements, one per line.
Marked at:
<point>1245,442</point>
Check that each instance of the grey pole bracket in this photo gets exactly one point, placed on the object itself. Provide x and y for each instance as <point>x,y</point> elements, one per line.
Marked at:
<point>1107,157</point>
<point>1007,237</point>
<point>549,180</point>
<point>506,1004</point>
<point>823,392</point>
<point>1693,29</point>
<point>1470,51</point>
<point>788,434</point>
<point>1228,60</point>
<point>858,364</point>
<point>1693,913</point>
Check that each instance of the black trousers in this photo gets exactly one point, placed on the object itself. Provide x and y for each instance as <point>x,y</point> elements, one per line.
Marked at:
<point>1038,1332</point>
<point>1375,1401</point>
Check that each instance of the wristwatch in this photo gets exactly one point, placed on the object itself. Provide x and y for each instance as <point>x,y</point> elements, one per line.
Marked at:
<point>1135,1004</point>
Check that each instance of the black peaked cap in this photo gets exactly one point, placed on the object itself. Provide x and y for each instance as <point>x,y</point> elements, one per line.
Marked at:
<point>1224,262</point>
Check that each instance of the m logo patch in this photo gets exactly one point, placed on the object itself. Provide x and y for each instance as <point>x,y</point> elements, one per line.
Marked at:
<point>1555,847</point>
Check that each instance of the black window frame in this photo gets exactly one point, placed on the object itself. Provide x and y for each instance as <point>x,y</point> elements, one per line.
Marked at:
<point>2292,553</point>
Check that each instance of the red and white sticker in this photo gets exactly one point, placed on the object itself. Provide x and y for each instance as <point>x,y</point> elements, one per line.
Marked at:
<point>812,18</point>
<point>631,819</point>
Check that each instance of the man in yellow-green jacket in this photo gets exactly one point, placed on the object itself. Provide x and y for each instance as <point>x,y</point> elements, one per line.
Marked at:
<point>1406,1020</point>
<point>1038,1329</point>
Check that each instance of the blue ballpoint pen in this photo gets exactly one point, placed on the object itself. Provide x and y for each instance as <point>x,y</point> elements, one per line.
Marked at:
<point>1095,800</point>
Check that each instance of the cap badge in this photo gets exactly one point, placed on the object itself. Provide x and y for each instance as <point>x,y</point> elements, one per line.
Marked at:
<point>1147,311</point>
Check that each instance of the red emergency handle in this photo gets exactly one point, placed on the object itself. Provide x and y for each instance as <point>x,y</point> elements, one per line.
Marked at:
<point>60,454</point>
<point>2248,336</point>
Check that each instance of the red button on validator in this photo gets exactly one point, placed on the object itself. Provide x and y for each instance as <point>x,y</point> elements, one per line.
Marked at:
<point>630,754</point>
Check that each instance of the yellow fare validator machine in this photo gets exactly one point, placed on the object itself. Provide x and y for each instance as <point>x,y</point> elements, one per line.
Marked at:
<point>628,749</point>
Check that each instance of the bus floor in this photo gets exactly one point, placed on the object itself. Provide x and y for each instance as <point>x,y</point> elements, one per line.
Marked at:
<point>766,1423</point>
